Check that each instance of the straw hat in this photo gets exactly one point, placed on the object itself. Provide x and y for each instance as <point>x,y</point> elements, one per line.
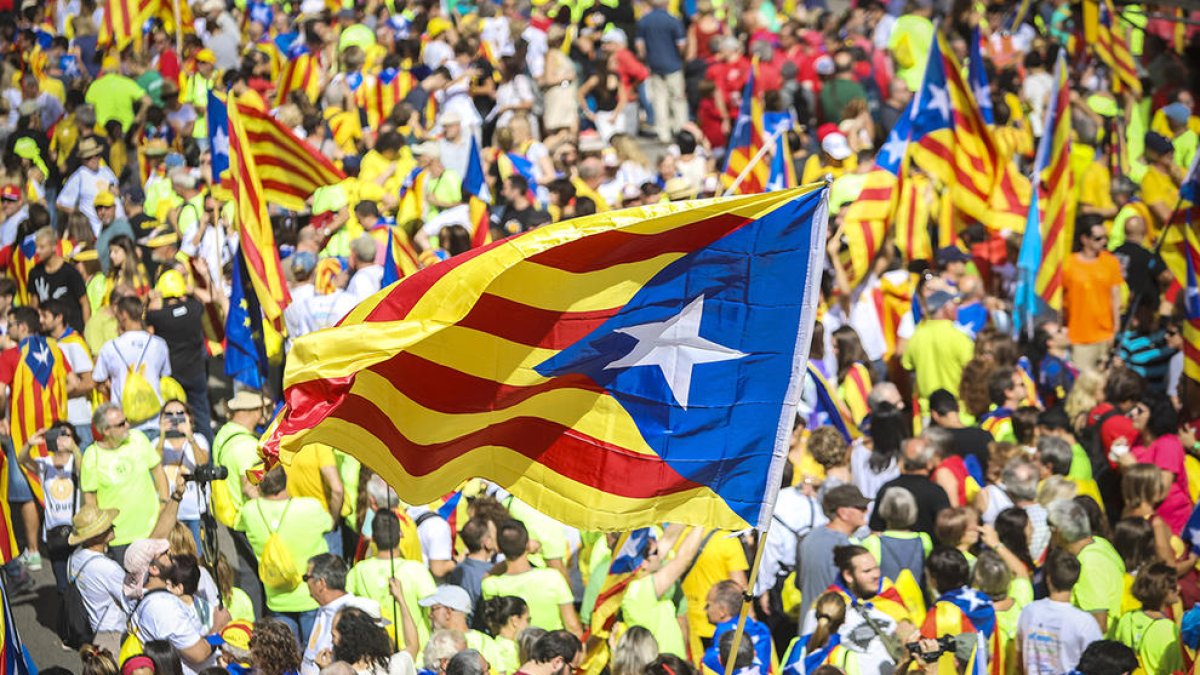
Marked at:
<point>88,148</point>
<point>678,189</point>
<point>248,400</point>
<point>90,521</point>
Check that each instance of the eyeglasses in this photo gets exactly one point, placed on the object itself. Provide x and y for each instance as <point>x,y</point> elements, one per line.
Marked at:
<point>122,423</point>
<point>1103,237</point>
<point>307,577</point>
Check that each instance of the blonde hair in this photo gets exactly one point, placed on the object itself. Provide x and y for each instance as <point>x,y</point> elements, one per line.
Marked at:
<point>830,610</point>
<point>952,524</point>
<point>180,540</point>
<point>636,649</point>
<point>627,149</point>
<point>1086,393</point>
<point>1056,488</point>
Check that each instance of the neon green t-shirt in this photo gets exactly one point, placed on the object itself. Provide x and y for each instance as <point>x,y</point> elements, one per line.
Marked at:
<point>544,590</point>
<point>240,607</point>
<point>121,479</point>
<point>303,532</point>
<point>484,644</point>
<point>236,448</point>
<point>369,579</point>
<point>1021,591</point>
<point>1101,579</point>
<point>1081,464</point>
<point>543,529</point>
<point>1156,642</point>
<point>114,96</point>
<point>642,607</point>
<point>508,655</point>
<point>909,44</point>
<point>937,351</point>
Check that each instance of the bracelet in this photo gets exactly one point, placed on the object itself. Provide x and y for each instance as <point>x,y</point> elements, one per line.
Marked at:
<point>176,497</point>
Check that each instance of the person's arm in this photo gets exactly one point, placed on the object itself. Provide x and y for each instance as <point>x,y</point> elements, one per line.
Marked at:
<point>1101,617</point>
<point>989,536</point>
<point>169,513</point>
<point>691,45</point>
<point>946,481</point>
<point>570,618</point>
<point>80,385</point>
<point>669,573</point>
<point>25,455</point>
<point>440,568</point>
<point>89,499</point>
<point>160,482</point>
<point>197,654</point>
<point>407,625</point>
<point>334,491</point>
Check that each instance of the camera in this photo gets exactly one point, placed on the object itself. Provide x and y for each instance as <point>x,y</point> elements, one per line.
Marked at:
<point>172,423</point>
<point>946,644</point>
<point>207,473</point>
<point>52,436</point>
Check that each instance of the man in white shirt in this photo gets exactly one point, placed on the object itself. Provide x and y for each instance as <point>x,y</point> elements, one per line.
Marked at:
<point>1051,632</point>
<point>91,178</point>
<point>14,211</point>
<point>298,319</point>
<point>97,576</point>
<point>326,579</point>
<point>368,275</point>
<point>133,348</point>
<point>455,145</point>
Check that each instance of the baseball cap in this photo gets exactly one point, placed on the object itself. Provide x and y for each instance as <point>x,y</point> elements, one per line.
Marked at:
<point>951,254</point>
<point>938,300</point>
<point>450,596</point>
<point>844,496</point>
<point>304,262</point>
<point>206,56</point>
<point>836,146</point>
<point>1177,112</point>
<point>10,193</point>
<point>104,198</point>
<point>1158,143</point>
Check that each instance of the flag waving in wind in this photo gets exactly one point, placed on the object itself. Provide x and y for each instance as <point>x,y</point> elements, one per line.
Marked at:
<point>596,368</point>
<point>744,143</point>
<point>479,197</point>
<point>627,562</point>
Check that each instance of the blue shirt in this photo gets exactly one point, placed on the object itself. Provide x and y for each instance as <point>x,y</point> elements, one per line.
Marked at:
<point>661,33</point>
<point>757,631</point>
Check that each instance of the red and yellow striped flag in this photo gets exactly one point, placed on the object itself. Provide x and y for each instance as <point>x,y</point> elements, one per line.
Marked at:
<point>1057,207</point>
<point>745,143</point>
<point>627,564</point>
<point>122,23</point>
<point>289,169</point>
<point>39,394</point>
<point>534,362</point>
<point>1103,30</point>
<point>8,539</point>
<point>302,72</point>
<point>255,235</point>
<point>912,217</point>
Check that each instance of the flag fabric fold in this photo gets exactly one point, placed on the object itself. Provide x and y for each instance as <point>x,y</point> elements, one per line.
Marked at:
<point>245,355</point>
<point>596,368</point>
<point>626,565</point>
<point>288,168</point>
<point>479,197</point>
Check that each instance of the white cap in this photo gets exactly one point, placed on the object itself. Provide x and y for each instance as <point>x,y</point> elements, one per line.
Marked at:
<point>824,65</point>
<point>614,35</point>
<point>836,146</point>
<point>450,596</point>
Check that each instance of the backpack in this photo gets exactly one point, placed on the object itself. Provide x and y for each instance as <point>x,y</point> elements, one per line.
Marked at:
<point>784,595</point>
<point>221,493</point>
<point>410,541</point>
<point>139,401</point>
<point>1107,479</point>
<point>74,628</point>
<point>132,646</point>
<point>276,566</point>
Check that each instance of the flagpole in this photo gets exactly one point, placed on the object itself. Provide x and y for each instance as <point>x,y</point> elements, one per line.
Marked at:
<point>178,27</point>
<point>748,598</point>
<point>755,160</point>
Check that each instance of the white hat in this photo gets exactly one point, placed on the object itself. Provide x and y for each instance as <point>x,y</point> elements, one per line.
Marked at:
<point>824,65</point>
<point>451,117</point>
<point>614,36</point>
<point>836,146</point>
<point>450,596</point>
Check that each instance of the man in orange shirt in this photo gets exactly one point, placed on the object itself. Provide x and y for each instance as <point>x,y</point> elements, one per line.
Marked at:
<point>1092,296</point>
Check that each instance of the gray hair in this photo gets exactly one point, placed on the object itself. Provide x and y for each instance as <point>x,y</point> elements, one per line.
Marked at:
<point>940,439</point>
<point>381,493</point>
<point>1055,454</point>
<point>364,248</point>
<point>1069,519</point>
<point>85,116</point>
<point>183,179</point>
<point>466,662</point>
<point>1020,480</point>
<point>898,508</point>
<point>100,417</point>
<point>919,459</point>
<point>882,393</point>
<point>444,643</point>
<point>329,568</point>
<point>729,44</point>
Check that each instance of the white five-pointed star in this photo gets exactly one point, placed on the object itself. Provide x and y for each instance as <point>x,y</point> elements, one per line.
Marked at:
<point>973,599</point>
<point>42,356</point>
<point>220,142</point>
<point>983,96</point>
<point>939,100</point>
<point>893,149</point>
<point>675,347</point>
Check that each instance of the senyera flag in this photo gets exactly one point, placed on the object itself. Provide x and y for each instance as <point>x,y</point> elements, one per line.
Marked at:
<point>613,371</point>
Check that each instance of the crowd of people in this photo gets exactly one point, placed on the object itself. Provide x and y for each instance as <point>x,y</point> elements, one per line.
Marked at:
<point>971,502</point>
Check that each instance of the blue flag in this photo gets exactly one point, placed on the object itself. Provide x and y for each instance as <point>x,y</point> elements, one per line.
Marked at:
<point>245,355</point>
<point>218,135</point>
<point>977,79</point>
<point>391,271</point>
<point>14,657</point>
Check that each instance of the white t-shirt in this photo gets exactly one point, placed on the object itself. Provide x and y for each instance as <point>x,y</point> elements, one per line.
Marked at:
<point>366,282</point>
<point>81,189</point>
<point>79,408</point>
<point>8,230</point>
<point>100,581</point>
<point>436,541</point>
<point>129,350</point>
<point>322,632</point>
<point>179,455</point>
<point>324,311</point>
<point>162,616</point>
<point>296,316</point>
<point>60,490</point>
<point>1053,636</point>
<point>795,515</point>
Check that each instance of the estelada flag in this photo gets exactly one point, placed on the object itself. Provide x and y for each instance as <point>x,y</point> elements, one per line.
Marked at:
<point>39,394</point>
<point>613,371</point>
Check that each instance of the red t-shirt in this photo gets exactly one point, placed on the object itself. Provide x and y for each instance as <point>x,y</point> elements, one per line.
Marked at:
<point>730,78</point>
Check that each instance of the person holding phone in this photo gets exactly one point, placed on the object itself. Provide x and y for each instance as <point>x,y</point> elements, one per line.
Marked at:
<point>57,467</point>
<point>182,449</point>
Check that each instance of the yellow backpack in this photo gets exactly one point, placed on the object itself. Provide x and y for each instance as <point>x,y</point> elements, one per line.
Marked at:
<point>276,566</point>
<point>223,506</point>
<point>139,401</point>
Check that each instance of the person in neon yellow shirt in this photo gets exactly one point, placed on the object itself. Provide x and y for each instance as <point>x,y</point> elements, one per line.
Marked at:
<point>551,602</point>
<point>1149,631</point>
<point>648,600</point>
<point>505,618</point>
<point>448,608</point>
<point>369,578</point>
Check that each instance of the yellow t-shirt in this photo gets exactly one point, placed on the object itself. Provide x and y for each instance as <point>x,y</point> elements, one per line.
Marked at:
<point>1159,188</point>
<point>1095,188</point>
<point>304,472</point>
<point>720,557</point>
<point>815,170</point>
<point>121,479</point>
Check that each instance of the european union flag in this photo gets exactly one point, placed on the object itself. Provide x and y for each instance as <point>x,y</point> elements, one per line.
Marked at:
<point>218,134</point>
<point>245,354</point>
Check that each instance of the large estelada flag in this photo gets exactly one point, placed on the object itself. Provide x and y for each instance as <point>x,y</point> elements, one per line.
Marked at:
<point>613,371</point>
<point>39,394</point>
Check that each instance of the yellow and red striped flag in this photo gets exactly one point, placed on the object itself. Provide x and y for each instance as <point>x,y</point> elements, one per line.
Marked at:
<point>966,612</point>
<point>590,366</point>
<point>256,238</point>
<point>39,394</point>
<point>122,23</point>
<point>950,138</point>
<point>628,558</point>
<point>1102,29</point>
<point>1184,218</point>
<point>8,539</point>
<point>745,143</point>
<point>288,168</point>
<point>302,72</point>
